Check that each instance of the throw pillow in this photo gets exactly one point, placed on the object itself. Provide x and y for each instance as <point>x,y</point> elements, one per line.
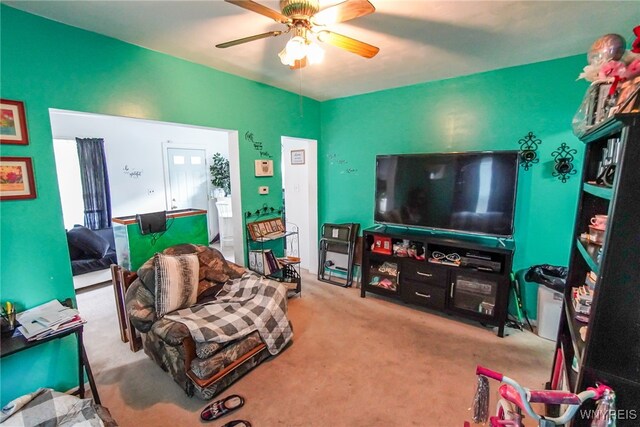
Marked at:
<point>75,252</point>
<point>86,240</point>
<point>176,282</point>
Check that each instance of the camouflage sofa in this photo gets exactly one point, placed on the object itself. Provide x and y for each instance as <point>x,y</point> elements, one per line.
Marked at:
<point>203,369</point>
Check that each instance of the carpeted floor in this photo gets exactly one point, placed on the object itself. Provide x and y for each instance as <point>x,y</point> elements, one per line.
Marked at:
<point>354,362</point>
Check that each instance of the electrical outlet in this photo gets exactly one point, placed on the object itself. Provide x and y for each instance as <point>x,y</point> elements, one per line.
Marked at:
<point>263,189</point>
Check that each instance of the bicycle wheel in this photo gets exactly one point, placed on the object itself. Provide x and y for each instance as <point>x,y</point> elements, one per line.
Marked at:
<point>507,415</point>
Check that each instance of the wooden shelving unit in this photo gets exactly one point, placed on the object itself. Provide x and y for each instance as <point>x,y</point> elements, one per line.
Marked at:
<point>610,352</point>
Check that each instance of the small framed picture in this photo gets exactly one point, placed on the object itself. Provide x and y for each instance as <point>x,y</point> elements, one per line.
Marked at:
<point>297,157</point>
<point>13,123</point>
<point>16,178</point>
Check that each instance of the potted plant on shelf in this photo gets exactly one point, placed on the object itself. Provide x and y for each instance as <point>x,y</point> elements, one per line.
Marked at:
<point>220,177</point>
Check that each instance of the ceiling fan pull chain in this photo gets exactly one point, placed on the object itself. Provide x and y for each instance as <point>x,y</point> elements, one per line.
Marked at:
<point>300,92</point>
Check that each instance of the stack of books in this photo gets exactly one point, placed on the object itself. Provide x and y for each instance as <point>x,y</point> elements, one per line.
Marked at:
<point>264,262</point>
<point>47,319</point>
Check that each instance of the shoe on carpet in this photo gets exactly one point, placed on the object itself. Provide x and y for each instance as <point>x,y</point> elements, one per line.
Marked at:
<point>221,407</point>
<point>237,423</point>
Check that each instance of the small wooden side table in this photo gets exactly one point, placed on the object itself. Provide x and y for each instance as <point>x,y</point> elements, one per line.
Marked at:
<point>16,344</point>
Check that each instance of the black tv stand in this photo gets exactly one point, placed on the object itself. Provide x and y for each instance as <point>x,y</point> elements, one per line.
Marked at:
<point>468,276</point>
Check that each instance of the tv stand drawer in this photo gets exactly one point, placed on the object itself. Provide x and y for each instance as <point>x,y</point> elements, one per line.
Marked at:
<point>423,272</point>
<point>424,294</point>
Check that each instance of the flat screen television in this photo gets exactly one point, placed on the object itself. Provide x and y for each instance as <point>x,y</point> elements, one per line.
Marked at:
<point>472,192</point>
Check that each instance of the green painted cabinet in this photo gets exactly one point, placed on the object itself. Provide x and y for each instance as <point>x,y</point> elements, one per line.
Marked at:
<point>134,249</point>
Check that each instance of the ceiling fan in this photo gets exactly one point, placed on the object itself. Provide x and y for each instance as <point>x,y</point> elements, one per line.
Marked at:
<point>306,21</point>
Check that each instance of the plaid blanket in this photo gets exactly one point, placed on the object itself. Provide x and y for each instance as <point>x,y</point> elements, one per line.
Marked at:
<point>47,408</point>
<point>243,305</point>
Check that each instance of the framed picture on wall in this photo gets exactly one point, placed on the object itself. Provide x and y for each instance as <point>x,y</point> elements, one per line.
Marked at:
<point>13,123</point>
<point>297,157</point>
<point>16,178</point>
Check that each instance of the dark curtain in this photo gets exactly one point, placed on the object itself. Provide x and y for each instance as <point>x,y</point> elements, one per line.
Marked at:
<point>95,183</point>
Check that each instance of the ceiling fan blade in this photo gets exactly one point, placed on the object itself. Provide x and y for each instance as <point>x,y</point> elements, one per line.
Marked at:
<point>262,10</point>
<point>347,43</point>
<point>342,12</point>
<point>300,63</point>
<point>249,39</point>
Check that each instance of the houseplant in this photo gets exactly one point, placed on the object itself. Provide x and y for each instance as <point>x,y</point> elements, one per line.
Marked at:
<point>219,170</point>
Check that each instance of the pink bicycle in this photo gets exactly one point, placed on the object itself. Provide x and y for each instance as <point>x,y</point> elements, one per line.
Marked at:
<point>516,399</point>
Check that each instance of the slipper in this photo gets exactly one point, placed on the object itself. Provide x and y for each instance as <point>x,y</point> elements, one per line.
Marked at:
<point>221,407</point>
<point>239,423</point>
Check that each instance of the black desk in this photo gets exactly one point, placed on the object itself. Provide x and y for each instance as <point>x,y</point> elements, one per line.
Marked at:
<point>16,344</point>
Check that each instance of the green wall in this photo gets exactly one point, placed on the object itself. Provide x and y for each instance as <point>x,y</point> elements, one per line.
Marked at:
<point>50,65</point>
<point>487,111</point>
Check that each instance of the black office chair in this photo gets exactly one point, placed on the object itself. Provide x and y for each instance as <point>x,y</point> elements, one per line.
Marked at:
<point>338,242</point>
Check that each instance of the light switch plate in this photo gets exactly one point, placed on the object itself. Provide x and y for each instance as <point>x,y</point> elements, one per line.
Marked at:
<point>263,190</point>
<point>264,167</point>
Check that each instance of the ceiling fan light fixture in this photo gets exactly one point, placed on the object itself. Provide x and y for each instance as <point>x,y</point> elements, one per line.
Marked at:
<point>285,58</point>
<point>296,47</point>
<point>315,54</point>
<point>302,19</point>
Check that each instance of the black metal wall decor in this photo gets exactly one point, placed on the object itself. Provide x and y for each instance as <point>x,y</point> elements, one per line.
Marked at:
<point>265,210</point>
<point>528,147</point>
<point>564,158</point>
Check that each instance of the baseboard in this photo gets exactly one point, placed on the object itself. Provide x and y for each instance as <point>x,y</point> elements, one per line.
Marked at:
<point>93,278</point>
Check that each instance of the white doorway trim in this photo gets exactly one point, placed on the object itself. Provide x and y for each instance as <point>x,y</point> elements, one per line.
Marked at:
<point>311,213</point>
<point>236,197</point>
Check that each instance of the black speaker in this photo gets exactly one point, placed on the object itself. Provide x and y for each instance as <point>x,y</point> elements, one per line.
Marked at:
<point>528,147</point>
<point>563,158</point>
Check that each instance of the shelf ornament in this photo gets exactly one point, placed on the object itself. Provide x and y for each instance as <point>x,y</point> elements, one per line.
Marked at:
<point>528,147</point>
<point>563,158</point>
<point>612,71</point>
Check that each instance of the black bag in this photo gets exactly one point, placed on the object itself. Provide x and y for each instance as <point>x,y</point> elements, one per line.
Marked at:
<point>154,222</point>
<point>552,276</point>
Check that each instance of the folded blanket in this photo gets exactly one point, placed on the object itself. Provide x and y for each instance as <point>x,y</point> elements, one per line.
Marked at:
<point>46,407</point>
<point>244,305</point>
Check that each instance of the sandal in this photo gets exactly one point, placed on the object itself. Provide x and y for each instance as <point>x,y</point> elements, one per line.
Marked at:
<point>239,423</point>
<point>221,407</point>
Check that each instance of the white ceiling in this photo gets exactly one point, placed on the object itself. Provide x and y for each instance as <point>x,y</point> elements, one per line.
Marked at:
<point>419,40</point>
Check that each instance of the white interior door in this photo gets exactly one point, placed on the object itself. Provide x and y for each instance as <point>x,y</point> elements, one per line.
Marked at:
<point>300,184</point>
<point>188,184</point>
